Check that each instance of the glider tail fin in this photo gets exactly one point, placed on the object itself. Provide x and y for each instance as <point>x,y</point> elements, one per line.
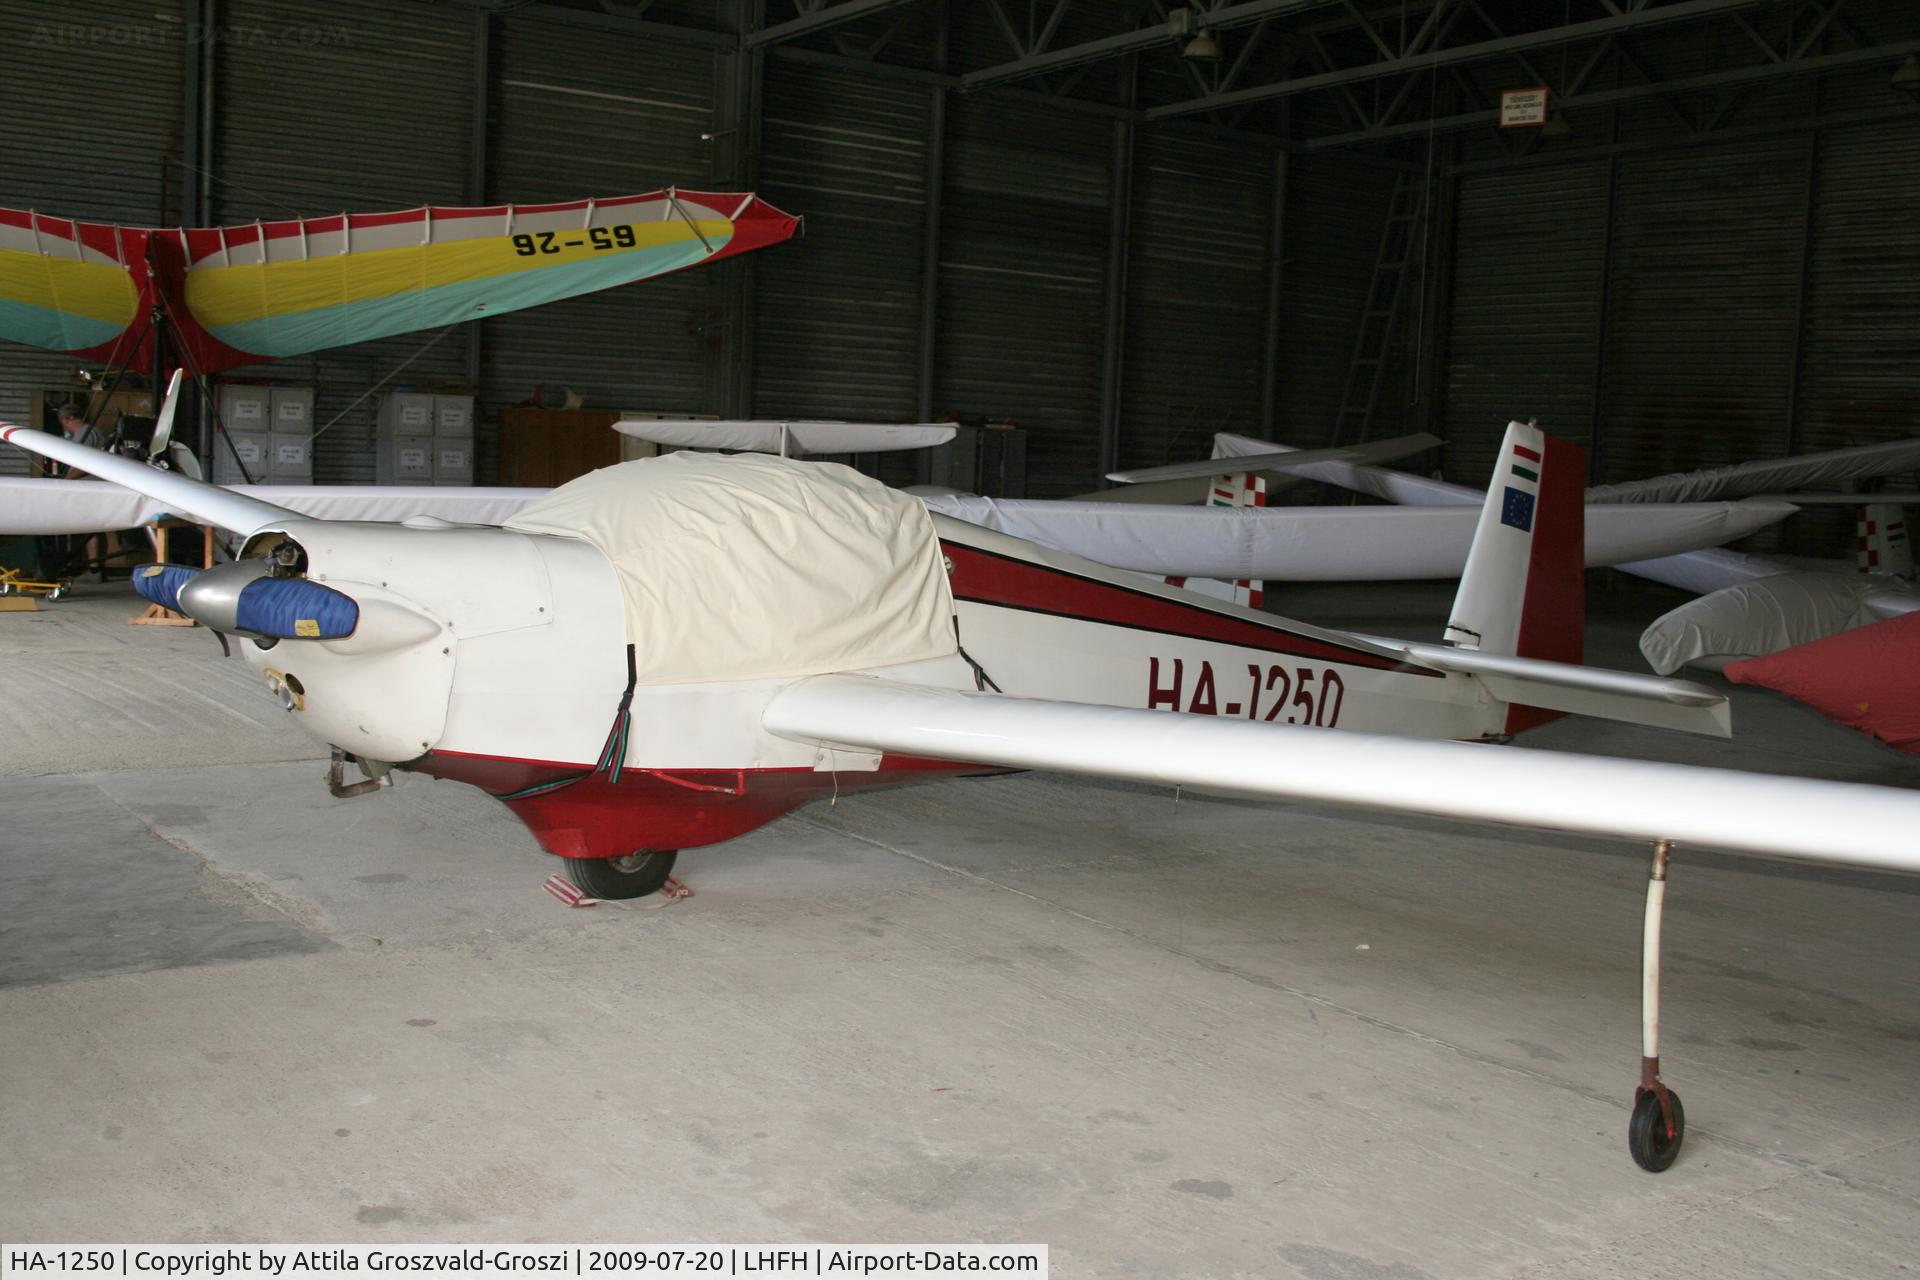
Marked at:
<point>1884,546</point>
<point>1524,590</point>
<point>1232,489</point>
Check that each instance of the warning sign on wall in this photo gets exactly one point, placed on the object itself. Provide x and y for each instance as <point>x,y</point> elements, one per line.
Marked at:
<point>1521,107</point>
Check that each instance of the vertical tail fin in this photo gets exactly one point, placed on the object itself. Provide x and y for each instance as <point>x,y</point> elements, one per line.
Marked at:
<point>1236,489</point>
<point>1524,590</point>
<point>1883,543</point>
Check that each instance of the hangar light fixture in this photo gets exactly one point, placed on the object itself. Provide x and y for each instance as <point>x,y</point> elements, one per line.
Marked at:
<point>1202,47</point>
<point>1556,127</point>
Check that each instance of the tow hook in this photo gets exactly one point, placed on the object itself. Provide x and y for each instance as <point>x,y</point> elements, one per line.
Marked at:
<point>340,788</point>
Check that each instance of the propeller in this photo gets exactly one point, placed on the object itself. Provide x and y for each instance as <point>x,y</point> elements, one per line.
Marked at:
<point>163,429</point>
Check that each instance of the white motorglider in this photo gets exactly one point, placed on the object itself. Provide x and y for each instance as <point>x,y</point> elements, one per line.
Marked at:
<point>672,652</point>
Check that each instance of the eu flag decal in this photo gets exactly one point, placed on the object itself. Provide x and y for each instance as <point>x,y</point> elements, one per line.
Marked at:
<point>1516,509</point>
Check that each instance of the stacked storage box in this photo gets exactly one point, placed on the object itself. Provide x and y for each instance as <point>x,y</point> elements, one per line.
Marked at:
<point>425,439</point>
<point>270,430</point>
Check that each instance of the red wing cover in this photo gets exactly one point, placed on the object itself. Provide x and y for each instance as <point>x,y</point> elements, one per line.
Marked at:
<point>1867,679</point>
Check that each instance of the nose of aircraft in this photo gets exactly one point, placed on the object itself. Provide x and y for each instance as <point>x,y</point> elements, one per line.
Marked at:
<point>244,598</point>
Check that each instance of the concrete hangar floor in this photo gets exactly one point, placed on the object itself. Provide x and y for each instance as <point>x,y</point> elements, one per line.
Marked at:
<point>1167,1039</point>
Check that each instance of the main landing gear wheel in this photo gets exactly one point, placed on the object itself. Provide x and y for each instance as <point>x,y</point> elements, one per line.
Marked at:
<point>634,876</point>
<point>1653,1145</point>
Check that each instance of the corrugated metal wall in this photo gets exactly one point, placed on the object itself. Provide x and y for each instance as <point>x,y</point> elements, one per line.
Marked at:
<point>1196,295</point>
<point>1336,209</point>
<point>1701,321</point>
<point>355,107</point>
<point>1023,264</point>
<point>839,313</point>
<point>1860,364</point>
<point>1756,300</point>
<point>581,111</point>
<point>95,99</point>
<point>1527,299</point>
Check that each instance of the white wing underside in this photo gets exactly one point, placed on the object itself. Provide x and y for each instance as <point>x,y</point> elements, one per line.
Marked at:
<point>1747,813</point>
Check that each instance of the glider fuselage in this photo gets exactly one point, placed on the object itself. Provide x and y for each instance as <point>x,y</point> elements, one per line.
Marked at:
<point>514,688</point>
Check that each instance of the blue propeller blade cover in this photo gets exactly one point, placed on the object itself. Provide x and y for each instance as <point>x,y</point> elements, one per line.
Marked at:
<point>161,583</point>
<point>296,609</point>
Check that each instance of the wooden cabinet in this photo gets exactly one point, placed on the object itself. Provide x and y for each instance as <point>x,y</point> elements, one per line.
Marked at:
<point>541,448</point>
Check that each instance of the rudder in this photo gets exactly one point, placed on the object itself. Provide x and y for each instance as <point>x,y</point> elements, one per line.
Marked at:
<point>1524,589</point>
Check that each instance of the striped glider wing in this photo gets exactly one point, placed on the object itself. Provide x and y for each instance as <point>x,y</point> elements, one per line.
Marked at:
<point>268,290</point>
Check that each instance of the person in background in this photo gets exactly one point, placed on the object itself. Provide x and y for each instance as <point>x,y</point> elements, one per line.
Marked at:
<point>74,424</point>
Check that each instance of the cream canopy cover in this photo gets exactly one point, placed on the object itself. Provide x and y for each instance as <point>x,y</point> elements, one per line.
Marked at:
<point>750,567</point>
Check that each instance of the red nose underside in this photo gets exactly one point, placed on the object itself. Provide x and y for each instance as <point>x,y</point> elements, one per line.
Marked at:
<point>651,810</point>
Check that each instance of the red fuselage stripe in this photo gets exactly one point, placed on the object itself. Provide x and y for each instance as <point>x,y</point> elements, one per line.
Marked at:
<point>1007,582</point>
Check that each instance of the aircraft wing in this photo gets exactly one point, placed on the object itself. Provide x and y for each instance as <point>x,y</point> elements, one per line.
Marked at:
<point>792,438</point>
<point>266,290</point>
<point>1476,782</point>
<point>1701,571</point>
<point>1360,476</point>
<point>175,493</point>
<point>1768,474</point>
<point>1330,544</point>
<point>88,506</point>
<point>1285,460</point>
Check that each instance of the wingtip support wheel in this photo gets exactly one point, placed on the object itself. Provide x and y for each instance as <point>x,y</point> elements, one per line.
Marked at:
<point>1657,1128</point>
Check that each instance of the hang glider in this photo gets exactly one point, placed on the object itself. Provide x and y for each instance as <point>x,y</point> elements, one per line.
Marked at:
<point>257,291</point>
<point>743,634</point>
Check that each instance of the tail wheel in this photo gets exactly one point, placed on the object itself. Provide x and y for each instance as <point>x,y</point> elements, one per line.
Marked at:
<point>1654,1147</point>
<point>634,876</point>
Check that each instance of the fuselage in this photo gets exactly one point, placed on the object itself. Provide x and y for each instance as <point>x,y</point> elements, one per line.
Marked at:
<point>516,685</point>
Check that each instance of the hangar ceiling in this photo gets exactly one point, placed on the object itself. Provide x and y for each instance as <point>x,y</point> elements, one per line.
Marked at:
<point>1317,74</point>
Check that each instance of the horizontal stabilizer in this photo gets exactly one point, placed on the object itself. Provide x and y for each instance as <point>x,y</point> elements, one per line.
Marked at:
<point>788,438</point>
<point>1475,782</point>
<point>1586,691</point>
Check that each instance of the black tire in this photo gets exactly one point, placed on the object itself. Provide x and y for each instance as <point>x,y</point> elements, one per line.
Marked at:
<point>1647,1138</point>
<point>634,876</point>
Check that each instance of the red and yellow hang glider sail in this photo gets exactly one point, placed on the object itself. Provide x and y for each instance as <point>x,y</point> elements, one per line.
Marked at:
<point>265,290</point>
